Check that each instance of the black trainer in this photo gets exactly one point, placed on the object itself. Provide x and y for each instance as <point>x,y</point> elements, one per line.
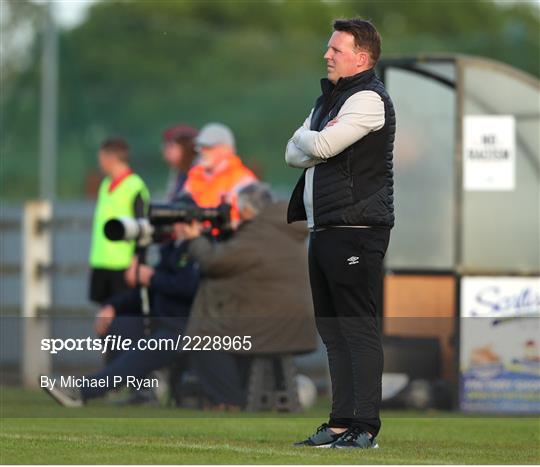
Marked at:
<point>355,438</point>
<point>322,438</point>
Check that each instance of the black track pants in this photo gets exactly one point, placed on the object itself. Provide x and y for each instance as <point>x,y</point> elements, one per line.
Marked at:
<point>345,268</point>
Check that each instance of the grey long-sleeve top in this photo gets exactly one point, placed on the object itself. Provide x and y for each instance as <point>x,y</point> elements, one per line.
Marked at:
<point>360,114</point>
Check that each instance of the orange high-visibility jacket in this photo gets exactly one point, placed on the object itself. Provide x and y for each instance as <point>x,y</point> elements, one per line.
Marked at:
<point>221,183</point>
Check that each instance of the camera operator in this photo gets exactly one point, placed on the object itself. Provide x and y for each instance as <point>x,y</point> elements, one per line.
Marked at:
<point>254,284</point>
<point>172,285</point>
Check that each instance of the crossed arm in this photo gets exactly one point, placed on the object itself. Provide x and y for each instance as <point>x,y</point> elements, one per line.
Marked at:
<point>361,113</point>
<point>294,156</point>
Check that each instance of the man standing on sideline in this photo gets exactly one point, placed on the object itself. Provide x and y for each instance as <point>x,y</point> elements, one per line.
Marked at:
<point>346,195</point>
<point>121,194</point>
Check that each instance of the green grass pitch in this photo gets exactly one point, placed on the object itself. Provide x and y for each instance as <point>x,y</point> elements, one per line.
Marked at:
<point>34,430</point>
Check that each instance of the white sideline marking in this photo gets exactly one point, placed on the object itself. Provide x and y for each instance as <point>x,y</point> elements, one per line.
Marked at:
<point>213,447</point>
<point>294,454</point>
<point>177,444</point>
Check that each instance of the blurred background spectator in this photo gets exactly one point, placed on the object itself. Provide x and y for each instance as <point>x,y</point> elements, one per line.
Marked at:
<point>172,285</point>
<point>121,194</point>
<point>255,284</point>
<point>219,174</point>
<point>179,152</point>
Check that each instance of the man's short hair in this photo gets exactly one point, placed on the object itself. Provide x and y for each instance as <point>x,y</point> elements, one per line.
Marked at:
<point>116,146</point>
<point>255,195</point>
<point>365,35</point>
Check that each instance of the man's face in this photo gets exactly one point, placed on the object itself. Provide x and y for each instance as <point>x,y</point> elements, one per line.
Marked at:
<point>104,159</point>
<point>343,58</point>
<point>205,153</point>
<point>209,155</point>
<point>246,213</point>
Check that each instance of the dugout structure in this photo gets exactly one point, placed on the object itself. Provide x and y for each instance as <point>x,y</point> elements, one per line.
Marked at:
<point>465,250</point>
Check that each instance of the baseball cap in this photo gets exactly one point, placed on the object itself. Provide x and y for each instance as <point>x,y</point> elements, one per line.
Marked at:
<point>213,134</point>
<point>179,131</point>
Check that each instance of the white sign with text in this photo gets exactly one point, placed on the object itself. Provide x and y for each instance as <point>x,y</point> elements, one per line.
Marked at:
<point>489,153</point>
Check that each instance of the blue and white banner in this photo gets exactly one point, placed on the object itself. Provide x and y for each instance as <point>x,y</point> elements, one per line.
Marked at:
<point>499,344</point>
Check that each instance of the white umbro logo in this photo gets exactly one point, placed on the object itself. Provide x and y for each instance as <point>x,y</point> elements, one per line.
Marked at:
<point>353,260</point>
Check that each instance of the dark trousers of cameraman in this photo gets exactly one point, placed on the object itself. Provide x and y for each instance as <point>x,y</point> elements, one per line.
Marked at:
<point>223,376</point>
<point>345,268</point>
<point>135,362</point>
